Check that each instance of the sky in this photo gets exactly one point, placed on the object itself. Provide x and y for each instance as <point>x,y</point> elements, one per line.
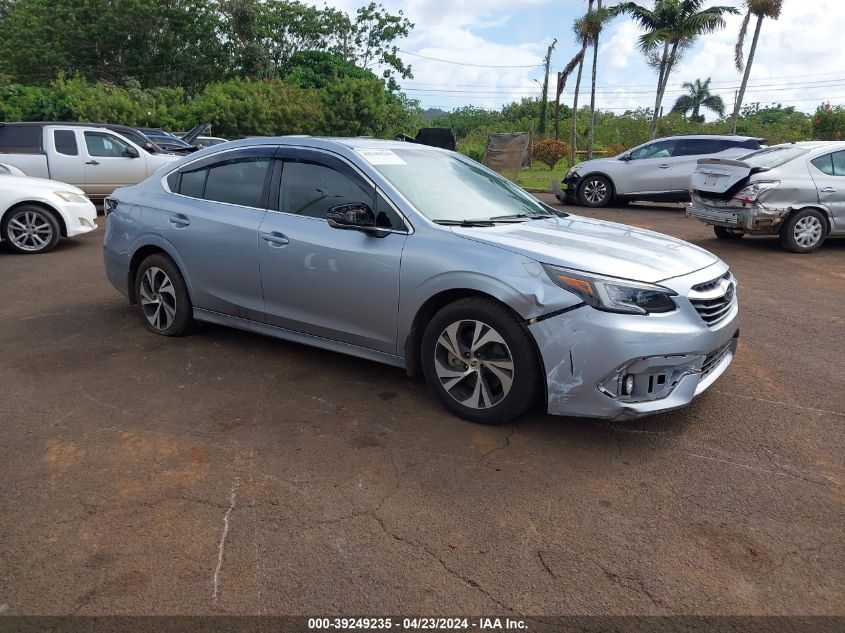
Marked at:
<point>500,46</point>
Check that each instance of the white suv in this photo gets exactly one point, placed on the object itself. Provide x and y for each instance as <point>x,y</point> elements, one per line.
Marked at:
<point>659,170</point>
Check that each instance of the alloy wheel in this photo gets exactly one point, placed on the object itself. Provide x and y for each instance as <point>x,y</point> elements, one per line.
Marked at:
<point>595,191</point>
<point>808,231</point>
<point>30,230</point>
<point>474,364</point>
<point>158,298</point>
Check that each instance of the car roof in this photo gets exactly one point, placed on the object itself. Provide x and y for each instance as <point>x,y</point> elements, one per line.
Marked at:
<point>810,144</point>
<point>718,137</point>
<point>327,142</point>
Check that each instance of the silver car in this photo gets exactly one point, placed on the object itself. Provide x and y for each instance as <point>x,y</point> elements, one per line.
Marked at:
<point>794,190</point>
<point>423,259</point>
<point>659,170</point>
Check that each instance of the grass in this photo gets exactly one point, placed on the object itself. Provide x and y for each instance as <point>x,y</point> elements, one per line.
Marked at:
<point>538,176</point>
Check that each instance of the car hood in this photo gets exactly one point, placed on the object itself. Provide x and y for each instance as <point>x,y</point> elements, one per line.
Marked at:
<point>596,246</point>
<point>42,184</point>
<point>597,164</point>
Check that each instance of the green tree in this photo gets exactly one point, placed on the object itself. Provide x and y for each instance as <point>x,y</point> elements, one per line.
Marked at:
<point>760,9</point>
<point>672,25</point>
<point>698,96</point>
<point>582,30</point>
<point>166,43</point>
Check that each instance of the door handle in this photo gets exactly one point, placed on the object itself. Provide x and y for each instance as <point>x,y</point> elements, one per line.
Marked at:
<point>92,162</point>
<point>664,166</point>
<point>828,190</point>
<point>275,239</point>
<point>179,221</point>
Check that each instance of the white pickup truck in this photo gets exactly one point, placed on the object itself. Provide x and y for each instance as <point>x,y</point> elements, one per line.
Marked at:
<point>96,160</point>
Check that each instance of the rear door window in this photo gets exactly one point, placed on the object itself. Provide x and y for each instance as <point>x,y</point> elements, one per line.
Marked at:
<point>238,181</point>
<point>699,146</point>
<point>65,141</point>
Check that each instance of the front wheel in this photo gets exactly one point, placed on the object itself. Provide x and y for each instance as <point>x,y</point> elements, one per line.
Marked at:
<point>163,299</point>
<point>480,361</point>
<point>595,191</point>
<point>803,232</point>
<point>31,229</point>
<point>724,233</point>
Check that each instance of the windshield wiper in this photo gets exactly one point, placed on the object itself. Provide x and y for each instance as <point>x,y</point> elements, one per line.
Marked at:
<point>522,216</point>
<point>465,222</point>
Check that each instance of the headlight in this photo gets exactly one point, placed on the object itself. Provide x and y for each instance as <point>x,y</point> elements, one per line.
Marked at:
<point>753,191</point>
<point>614,295</point>
<point>69,196</point>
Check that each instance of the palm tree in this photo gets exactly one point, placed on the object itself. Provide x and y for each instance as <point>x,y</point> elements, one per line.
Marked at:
<point>587,29</point>
<point>762,9</point>
<point>598,20</point>
<point>672,24</point>
<point>698,96</point>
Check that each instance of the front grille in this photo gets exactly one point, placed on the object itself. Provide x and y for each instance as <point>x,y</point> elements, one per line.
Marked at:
<point>714,358</point>
<point>713,300</point>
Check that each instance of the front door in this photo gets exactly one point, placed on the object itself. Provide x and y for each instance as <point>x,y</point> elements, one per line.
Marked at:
<point>647,170</point>
<point>337,284</point>
<point>212,223</point>
<point>828,173</point>
<point>110,162</point>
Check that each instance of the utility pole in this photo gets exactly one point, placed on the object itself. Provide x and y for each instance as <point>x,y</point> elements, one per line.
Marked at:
<point>544,104</point>
<point>557,104</point>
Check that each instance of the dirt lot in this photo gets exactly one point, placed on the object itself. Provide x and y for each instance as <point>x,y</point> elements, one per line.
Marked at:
<point>339,486</point>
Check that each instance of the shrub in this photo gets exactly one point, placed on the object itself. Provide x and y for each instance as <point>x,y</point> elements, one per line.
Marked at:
<point>549,151</point>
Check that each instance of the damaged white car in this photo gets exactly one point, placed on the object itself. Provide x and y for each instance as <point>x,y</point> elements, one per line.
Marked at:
<point>794,190</point>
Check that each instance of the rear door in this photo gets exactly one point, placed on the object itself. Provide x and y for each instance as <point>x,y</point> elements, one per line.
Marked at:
<point>212,222</point>
<point>66,162</point>
<point>828,172</point>
<point>337,284</point>
<point>110,162</point>
<point>648,168</point>
<point>686,160</point>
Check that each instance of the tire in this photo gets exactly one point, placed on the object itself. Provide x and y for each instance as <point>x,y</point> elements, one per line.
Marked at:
<point>163,302</point>
<point>724,233</point>
<point>804,231</point>
<point>499,380</point>
<point>595,191</point>
<point>31,229</point>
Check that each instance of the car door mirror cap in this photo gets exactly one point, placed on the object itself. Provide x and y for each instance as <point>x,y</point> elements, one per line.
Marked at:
<point>625,157</point>
<point>355,217</point>
<point>131,152</point>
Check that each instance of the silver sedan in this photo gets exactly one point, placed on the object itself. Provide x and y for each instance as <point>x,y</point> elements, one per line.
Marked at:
<point>794,190</point>
<point>423,259</point>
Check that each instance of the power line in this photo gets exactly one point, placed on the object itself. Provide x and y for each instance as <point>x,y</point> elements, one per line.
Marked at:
<point>457,63</point>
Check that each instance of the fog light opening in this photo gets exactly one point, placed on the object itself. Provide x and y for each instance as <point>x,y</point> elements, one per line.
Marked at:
<point>627,384</point>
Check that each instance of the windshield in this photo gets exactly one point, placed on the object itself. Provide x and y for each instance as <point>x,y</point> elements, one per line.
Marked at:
<point>445,187</point>
<point>772,157</point>
<point>163,140</point>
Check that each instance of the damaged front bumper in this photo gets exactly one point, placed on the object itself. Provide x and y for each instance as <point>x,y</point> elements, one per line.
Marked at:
<point>568,193</point>
<point>622,366</point>
<point>756,218</point>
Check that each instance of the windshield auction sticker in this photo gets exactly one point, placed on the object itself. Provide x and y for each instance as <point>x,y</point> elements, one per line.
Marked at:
<point>380,157</point>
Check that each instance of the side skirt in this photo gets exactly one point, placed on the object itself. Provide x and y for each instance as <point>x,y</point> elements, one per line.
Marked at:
<point>298,337</point>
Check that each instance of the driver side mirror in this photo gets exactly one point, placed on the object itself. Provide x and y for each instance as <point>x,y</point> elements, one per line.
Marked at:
<point>130,152</point>
<point>355,217</point>
<point>625,157</point>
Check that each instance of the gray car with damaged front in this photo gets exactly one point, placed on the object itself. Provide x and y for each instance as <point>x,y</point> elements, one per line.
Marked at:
<point>794,190</point>
<point>423,259</point>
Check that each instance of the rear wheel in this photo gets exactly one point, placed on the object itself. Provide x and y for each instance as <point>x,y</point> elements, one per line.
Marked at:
<point>480,361</point>
<point>163,300</point>
<point>31,229</point>
<point>724,233</point>
<point>595,191</point>
<point>804,232</point>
